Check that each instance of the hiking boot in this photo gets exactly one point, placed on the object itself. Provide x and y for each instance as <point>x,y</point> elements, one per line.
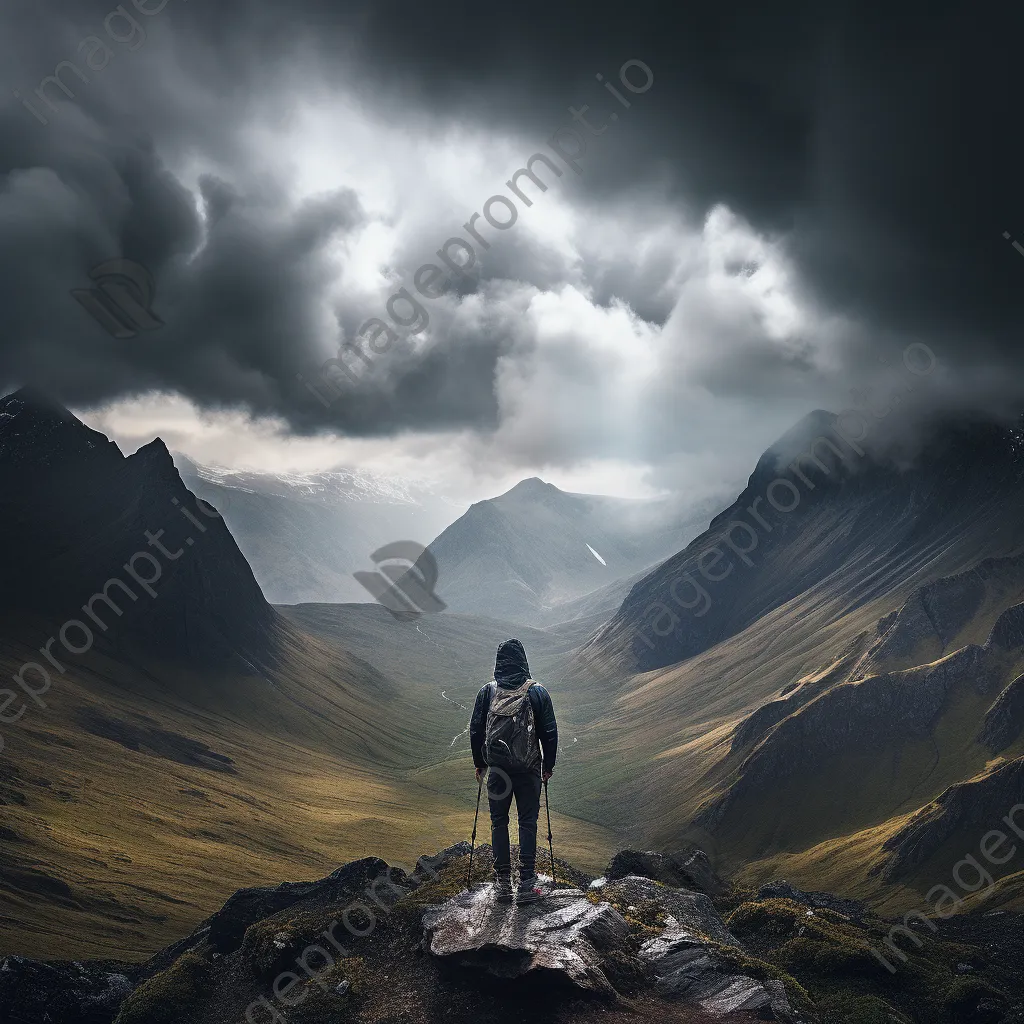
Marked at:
<point>529,890</point>
<point>503,888</point>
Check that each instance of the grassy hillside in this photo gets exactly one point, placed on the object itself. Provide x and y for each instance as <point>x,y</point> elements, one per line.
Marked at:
<point>146,793</point>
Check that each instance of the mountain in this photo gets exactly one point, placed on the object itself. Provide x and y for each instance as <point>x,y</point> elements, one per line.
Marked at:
<point>817,514</point>
<point>166,736</point>
<point>306,534</point>
<point>90,538</point>
<point>827,679</point>
<point>521,555</point>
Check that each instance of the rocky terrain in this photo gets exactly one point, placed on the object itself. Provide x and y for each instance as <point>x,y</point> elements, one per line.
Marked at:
<point>373,942</point>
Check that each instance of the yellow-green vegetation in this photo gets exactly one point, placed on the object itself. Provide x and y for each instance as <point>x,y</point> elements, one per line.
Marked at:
<point>738,960</point>
<point>645,917</point>
<point>853,1009</point>
<point>817,941</point>
<point>831,956</point>
<point>322,1002</point>
<point>167,996</point>
<point>450,881</point>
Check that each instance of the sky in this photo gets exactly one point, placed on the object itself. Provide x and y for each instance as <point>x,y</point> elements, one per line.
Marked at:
<point>759,211</point>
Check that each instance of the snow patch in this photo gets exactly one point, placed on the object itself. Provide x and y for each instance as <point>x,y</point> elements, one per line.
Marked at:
<point>596,555</point>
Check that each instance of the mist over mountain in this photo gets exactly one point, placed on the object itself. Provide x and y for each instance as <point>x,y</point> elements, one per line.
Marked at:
<point>819,513</point>
<point>306,534</point>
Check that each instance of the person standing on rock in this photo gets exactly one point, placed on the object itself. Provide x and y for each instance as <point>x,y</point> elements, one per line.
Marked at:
<point>514,738</point>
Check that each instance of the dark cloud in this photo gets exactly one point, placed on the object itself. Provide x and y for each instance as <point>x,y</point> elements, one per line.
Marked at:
<point>876,143</point>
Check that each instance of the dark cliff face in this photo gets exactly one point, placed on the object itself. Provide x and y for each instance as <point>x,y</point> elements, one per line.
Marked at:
<point>977,805</point>
<point>815,509</point>
<point>76,514</point>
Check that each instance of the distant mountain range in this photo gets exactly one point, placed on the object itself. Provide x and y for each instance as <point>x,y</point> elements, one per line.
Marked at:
<point>306,534</point>
<point>531,555</point>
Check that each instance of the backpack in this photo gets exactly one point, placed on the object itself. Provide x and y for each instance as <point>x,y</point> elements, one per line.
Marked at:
<point>510,739</point>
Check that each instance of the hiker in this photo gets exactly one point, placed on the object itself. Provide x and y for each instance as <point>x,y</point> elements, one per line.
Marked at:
<point>514,739</point>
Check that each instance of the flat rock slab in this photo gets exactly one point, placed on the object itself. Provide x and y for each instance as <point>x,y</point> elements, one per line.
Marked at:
<point>564,935</point>
<point>687,968</point>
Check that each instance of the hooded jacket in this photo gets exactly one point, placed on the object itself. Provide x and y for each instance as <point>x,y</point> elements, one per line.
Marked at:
<point>511,670</point>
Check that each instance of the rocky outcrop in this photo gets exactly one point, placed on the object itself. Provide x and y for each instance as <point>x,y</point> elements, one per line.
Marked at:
<point>867,714</point>
<point>225,930</point>
<point>690,870</point>
<point>564,937</point>
<point>694,911</point>
<point>756,725</point>
<point>63,993</point>
<point>689,959</point>
<point>687,968</point>
<point>666,946</point>
<point>933,615</point>
<point>853,909</point>
<point>1008,631</point>
<point>578,942</point>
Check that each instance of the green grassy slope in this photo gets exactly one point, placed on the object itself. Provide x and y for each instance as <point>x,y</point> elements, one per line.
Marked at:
<point>113,851</point>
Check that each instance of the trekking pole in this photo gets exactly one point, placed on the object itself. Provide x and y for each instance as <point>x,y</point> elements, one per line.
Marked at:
<point>551,852</point>
<point>472,845</point>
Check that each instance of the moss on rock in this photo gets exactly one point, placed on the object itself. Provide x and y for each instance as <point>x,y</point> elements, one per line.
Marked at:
<point>166,996</point>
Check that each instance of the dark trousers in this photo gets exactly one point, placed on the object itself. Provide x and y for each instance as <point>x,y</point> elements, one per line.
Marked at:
<point>501,788</point>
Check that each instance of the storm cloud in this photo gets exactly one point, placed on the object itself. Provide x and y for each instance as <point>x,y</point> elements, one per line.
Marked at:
<point>804,189</point>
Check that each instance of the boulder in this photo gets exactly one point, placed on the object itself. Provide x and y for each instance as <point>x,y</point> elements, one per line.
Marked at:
<point>691,910</point>
<point>225,929</point>
<point>688,959</point>
<point>689,870</point>
<point>695,959</point>
<point>564,936</point>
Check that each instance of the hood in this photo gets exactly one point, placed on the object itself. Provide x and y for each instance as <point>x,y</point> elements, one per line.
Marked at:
<point>511,669</point>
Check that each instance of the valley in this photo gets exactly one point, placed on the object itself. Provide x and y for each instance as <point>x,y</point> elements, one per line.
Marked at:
<point>816,723</point>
